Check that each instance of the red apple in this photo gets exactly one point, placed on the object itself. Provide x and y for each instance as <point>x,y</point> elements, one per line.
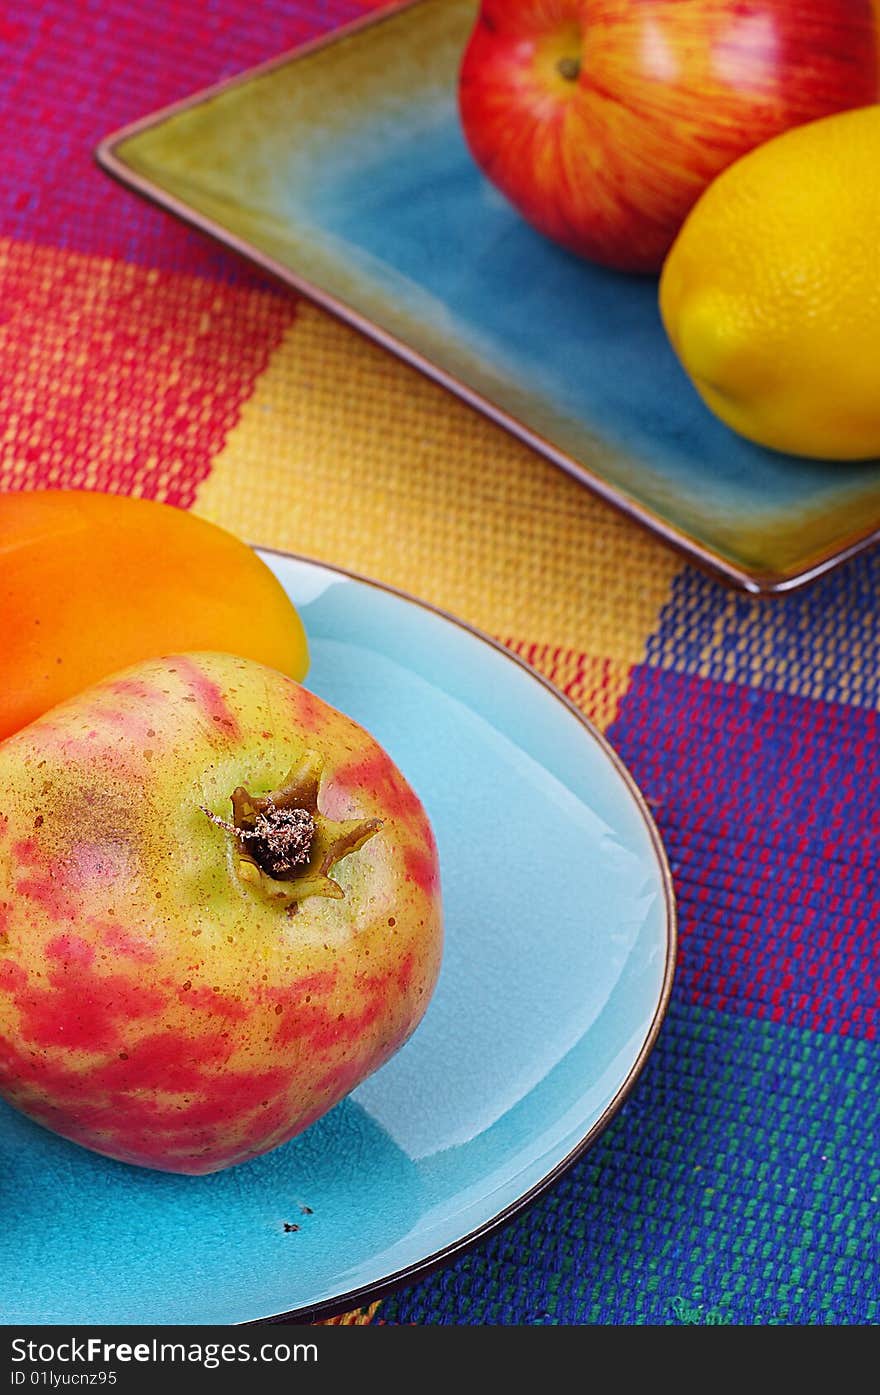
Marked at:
<point>602,121</point>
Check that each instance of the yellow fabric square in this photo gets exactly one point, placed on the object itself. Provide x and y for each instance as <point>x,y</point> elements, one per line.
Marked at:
<point>348,455</point>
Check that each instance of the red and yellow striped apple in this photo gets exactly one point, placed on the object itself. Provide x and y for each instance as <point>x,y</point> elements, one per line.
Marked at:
<point>219,911</point>
<point>602,121</point>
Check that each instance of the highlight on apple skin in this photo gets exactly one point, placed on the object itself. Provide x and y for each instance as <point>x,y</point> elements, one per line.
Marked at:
<point>602,121</point>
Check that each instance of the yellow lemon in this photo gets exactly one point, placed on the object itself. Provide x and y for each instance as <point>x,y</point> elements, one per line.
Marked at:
<point>770,294</point>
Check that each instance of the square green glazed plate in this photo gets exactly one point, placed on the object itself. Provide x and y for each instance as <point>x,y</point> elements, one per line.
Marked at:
<point>340,168</point>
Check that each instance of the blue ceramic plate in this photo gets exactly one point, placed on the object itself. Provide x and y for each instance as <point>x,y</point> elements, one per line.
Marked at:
<point>559,955</point>
<point>341,169</point>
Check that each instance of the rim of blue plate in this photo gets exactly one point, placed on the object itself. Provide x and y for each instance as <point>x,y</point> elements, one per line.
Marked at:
<point>421,1269</point>
<point>722,568</point>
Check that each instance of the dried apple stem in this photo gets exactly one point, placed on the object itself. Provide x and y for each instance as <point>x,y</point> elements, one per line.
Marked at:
<point>570,68</point>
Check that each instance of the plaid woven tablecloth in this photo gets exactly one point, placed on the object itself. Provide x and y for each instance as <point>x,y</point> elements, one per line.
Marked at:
<point>740,1181</point>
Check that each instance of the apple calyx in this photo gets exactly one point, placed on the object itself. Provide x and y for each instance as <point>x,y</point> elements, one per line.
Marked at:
<point>284,846</point>
<point>569,68</point>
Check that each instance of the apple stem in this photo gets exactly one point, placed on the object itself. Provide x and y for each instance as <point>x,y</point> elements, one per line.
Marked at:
<point>570,68</point>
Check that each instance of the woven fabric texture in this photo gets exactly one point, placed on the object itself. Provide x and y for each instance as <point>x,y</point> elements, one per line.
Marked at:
<point>740,1182</point>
